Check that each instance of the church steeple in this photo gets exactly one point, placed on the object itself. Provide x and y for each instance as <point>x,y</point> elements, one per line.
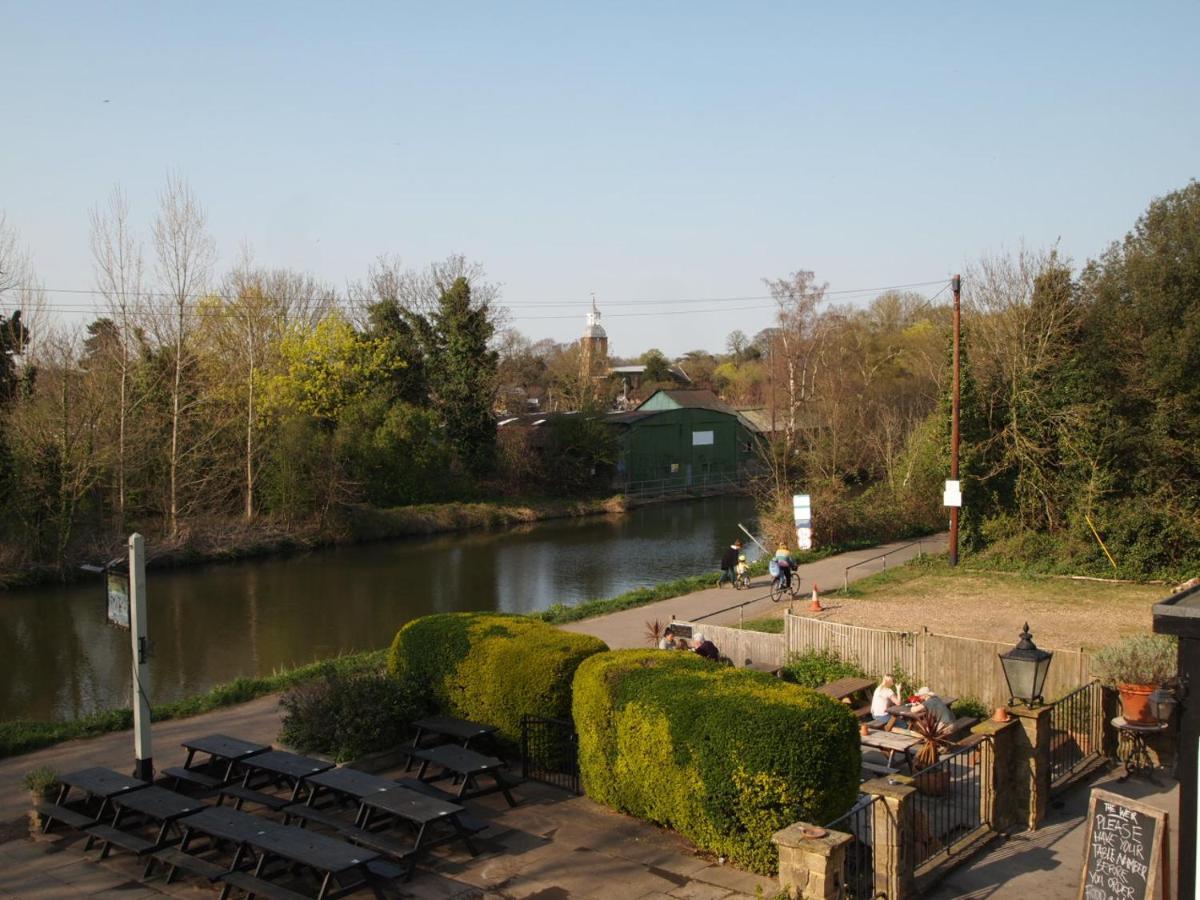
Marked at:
<point>593,346</point>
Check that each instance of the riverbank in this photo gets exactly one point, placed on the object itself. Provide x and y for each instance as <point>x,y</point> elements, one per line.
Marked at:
<point>233,540</point>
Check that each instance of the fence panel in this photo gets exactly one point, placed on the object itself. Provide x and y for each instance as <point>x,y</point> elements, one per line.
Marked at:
<point>876,650</point>
<point>858,869</point>
<point>550,752</point>
<point>740,645</point>
<point>967,667</point>
<point>950,805</point>
<point>1076,734</point>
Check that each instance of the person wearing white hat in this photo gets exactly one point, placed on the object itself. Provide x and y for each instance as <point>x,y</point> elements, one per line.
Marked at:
<point>706,648</point>
<point>935,705</point>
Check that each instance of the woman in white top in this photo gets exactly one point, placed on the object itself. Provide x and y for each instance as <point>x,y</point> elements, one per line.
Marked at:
<point>885,695</point>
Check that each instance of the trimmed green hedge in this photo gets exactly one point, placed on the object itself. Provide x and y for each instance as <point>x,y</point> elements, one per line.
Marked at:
<point>724,756</point>
<point>491,667</point>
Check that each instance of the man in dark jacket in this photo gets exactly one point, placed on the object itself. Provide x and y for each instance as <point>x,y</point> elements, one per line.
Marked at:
<point>729,561</point>
<point>707,648</point>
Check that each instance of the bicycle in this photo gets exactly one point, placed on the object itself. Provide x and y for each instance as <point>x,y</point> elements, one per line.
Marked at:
<point>741,582</point>
<point>781,588</point>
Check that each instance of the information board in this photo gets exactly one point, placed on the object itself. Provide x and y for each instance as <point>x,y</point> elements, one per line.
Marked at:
<point>1124,850</point>
<point>118,599</point>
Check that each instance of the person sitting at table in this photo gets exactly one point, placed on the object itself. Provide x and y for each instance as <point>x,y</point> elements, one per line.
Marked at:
<point>885,695</point>
<point>667,641</point>
<point>935,705</point>
<point>706,648</point>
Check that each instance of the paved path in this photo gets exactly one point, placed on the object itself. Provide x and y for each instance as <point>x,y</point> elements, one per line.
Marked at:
<point>627,628</point>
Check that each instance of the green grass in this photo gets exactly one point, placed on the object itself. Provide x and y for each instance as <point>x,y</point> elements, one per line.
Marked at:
<point>23,735</point>
<point>561,613</point>
<point>769,625</point>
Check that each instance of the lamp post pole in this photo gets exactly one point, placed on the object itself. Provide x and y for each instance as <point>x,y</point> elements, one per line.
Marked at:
<point>143,766</point>
<point>955,285</point>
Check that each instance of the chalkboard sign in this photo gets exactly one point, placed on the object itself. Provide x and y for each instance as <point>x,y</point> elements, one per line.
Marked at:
<point>1124,850</point>
<point>683,631</point>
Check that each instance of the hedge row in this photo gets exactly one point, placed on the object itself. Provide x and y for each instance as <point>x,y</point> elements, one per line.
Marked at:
<point>490,667</point>
<point>724,756</point>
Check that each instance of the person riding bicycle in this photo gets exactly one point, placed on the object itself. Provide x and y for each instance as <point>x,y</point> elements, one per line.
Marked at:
<point>786,564</point>
<point>742,570</point>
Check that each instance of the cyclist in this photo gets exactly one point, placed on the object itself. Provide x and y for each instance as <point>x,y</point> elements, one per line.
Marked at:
<point>742,571</point>
<point>786,563</point>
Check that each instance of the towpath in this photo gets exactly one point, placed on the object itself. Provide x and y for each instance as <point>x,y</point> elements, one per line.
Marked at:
<point>627,628</point>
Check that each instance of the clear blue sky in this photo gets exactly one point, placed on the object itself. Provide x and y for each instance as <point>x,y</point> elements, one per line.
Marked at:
<point>641,150</point>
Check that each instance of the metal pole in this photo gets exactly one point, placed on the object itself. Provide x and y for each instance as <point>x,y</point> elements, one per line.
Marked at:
<point>955,285</point>
<point>752,537</point>
<point>143,765</point>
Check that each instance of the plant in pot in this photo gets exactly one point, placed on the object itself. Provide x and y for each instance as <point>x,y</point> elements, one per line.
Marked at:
<point>43,786</point>
<point>1135,667</point>
<point>934,739</point>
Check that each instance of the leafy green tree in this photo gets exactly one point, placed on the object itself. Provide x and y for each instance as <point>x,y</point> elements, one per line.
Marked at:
<point>462,374</point>
<point>658,367</point>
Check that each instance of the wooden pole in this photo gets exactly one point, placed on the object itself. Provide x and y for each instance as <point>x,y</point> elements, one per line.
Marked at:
<point>143,765</point>
<point>955,284</point>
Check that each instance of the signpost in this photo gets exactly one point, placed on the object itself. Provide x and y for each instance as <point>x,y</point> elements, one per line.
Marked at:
<point>952,494</point>
<point>1125,849</point>
<point>802,510</point>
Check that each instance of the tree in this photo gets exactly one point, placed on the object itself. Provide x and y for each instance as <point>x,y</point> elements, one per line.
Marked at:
<point>185,255</point>
<point>797,339</point>
<point>463,375</point>
<point>658,367</point>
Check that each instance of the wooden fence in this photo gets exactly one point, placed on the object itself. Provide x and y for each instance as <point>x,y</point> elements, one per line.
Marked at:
<point>954,666</point>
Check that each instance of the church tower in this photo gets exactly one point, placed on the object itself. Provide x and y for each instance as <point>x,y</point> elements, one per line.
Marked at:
<point>593,346</point>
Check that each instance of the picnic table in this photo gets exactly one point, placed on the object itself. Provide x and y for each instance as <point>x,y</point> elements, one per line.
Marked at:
<point>468,766</point>
<point>890,743</point>
<point>905,711</point>
<point>769,668</point>
<point>219,748</point>
<point>282,766</point>
<point>439,727</point>
<point>846,687</point>
<point>330,858</point>
<point>100,783</point>
<point>420,811</point>
<point>157,805</point>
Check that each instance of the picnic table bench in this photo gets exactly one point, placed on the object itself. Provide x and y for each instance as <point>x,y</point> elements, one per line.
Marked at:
<point>890,743</point>
<point>96,783</point>
<point>844,688</point>
<point>223,752</point>
<point>905,711</point>
<point>768,668</point>
<point>276,766</point>
<point>440,727</point>
<point>468,766</point>
<point>153,804</point>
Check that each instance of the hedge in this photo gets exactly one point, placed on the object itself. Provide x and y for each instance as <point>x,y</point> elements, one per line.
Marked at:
<point>491,667</point>
<point>724,756</point>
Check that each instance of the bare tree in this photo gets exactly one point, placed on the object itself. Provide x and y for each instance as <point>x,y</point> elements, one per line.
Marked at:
<point>798,338</point>
<point>117,262</point>
<point>185,254</point>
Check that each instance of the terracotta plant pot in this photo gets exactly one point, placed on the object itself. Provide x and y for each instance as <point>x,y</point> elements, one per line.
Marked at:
<point>864,730</point>
<point>1135,703</point>
<point>1001,714</point>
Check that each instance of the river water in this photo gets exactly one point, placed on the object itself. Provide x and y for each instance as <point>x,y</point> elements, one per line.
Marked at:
<point>58,658</point>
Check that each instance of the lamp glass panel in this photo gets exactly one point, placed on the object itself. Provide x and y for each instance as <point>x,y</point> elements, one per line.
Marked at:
<point>1020,675</point>
<point>1043,668</point>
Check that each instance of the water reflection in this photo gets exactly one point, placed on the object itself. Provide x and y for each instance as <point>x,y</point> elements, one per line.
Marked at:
<point>58,658</point>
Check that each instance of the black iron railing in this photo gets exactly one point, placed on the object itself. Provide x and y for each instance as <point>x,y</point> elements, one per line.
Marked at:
<point>951,801</point>
<point>550,752</point>
<point>1076,733</point>
<point>858,870</point>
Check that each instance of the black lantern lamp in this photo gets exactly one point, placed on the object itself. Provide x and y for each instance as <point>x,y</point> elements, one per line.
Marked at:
<point>1025,668</point>
<point>1162,704</point>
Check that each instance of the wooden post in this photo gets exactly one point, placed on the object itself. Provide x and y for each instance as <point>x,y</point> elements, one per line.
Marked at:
<point>143,765</point>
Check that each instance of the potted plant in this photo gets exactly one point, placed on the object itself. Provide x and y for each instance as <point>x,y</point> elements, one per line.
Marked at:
<point>43,786</point>
<point>933,735</point>
<point>1135,667</point>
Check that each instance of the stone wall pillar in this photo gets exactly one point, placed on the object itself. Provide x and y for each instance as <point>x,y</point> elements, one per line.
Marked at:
<point>811,861</point>
<point>1033,754</point>
<point>998,800</point>
<point>893,834</point>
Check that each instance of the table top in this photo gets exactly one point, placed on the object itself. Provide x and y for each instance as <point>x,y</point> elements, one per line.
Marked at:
<point>292,843</point>
<point>411,806</point>
<point>905,711</point>
<point>845,687</point>
<point>458,759</point>
<point>101,782</point>
<point>455,728</point>
<point>350,782</point>
<point>888,740</point>
<point>1122,724</point>
<point>159,803</point>
<point>291,765</point>
<point>224,746</point>
<point>769,668</point>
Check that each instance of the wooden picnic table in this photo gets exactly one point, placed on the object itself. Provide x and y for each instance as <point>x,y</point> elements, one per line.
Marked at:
<point>846,687</point>
<point>280,765</point>
<point>769,668</point>
<point>890,743</point>
<point>221,748</point>
<point>99,783</point>
<point>440,727</point>
<point>156,804</point>
<point>466,765</point>
<point>329,857</point>
<point>905,711</point>
<point>420,811</point>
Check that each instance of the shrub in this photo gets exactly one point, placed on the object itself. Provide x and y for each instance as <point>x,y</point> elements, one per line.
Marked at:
<point>346,717</point>
<point>42,781</point>
<point>969,706</point>
<point>818,667</point>
<point>724,756</point>
<point>490,667</point>
<point>1140,659</point>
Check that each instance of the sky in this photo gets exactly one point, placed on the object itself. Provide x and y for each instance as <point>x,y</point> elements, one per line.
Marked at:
<point>643,152</point>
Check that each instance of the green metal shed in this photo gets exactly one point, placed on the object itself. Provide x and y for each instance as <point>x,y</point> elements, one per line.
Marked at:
<point>682,440</point>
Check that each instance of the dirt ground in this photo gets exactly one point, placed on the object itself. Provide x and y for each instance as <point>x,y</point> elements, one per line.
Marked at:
<point>1062,613</point>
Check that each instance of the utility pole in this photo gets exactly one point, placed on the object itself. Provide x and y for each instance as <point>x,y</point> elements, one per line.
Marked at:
<point>955,286</point>
<point>143,765</point>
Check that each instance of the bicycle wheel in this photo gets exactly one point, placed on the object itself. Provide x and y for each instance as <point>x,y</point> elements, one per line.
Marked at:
<point>741,582</point>
<point>778,591</point>
<point>795,588</point>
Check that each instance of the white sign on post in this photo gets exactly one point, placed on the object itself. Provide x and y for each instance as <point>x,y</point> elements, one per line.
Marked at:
<point>118,599</point>
<point>802,512</point>
<point>952,495</point>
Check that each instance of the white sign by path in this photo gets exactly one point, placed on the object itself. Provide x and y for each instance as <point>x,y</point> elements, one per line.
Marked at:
<point>952,495</point>
<point>802,513</point>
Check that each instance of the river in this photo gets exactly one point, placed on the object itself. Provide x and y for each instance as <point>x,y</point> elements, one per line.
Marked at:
<point>210,624</point>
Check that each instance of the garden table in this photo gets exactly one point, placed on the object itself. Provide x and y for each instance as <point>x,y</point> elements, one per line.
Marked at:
<point>890,743</point>
<point>221,748</point>
<point>467,765</point>
<point>282,766</point>
<point>846,687</point>
<point>100,783</point>
<point>446,727</point>
<point>905,711</point>
<point>157,805</point>
<point>420,811</point>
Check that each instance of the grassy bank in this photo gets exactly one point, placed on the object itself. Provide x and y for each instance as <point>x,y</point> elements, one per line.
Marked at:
<point>23,736</point>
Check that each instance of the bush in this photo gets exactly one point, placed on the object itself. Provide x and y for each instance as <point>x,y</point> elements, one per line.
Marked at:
<point>346,717</point>
<point>490,667</point>
<point>818,667</point>
<point>1139,659</point>
<point>724,756</point>
<point>42,781</point>
<point>969,706</point>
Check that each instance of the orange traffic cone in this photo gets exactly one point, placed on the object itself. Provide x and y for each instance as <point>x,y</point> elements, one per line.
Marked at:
<point>815,606</point>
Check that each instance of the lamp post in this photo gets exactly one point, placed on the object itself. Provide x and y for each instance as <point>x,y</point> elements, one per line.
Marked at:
<point>1025,667</point>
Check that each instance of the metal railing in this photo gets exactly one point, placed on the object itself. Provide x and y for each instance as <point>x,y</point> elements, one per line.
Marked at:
<point>679,484</point>
<point>550,752</point>
<point>951,802</point>
<point>883,556</point>
<point>1076,733</point>
<point>858,868</point>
